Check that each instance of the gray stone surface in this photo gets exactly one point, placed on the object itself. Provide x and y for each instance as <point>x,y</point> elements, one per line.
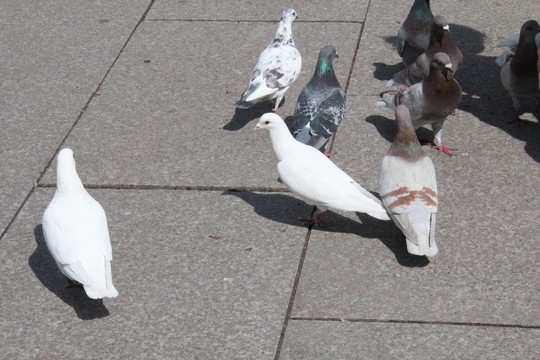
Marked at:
<point>347,340</point>
<point>171,121</point>
<point>192,283</point>
<point>206,274</point>
<point>54,54</point>
<point>315,10</point>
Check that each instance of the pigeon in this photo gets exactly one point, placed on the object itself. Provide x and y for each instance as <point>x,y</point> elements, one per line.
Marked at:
<point>512,42</point>
<point>413,35</point>
<point>408,187</point>
<point>308,173</point>
<point>519,74</point>
<point>431,100</point>
<point>278,67</point>
<point>76,233</point>
<point>439,41</point>
<point>321,105</point>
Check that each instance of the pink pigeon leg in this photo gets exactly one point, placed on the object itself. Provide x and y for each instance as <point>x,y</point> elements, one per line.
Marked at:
<point>315,218</point>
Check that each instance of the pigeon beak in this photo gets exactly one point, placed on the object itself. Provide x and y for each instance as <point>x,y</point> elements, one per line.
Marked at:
<point>446,27</point>
<point>448,66</point>
<point>256,128</point>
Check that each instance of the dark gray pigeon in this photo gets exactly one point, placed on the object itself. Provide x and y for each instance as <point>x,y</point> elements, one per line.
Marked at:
<point>431,100</point>
<point>408,187</point>
<point>321,105</point>
<point>413,35</point>
<point>519,74</point>
<point>278,67</point>
<point>439,41</point>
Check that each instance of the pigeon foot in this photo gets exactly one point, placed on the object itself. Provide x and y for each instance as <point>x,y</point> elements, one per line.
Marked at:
<point>315,219</point>
<point>444,149</point>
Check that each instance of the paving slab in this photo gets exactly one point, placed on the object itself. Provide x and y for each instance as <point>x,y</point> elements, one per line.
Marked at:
<point>200,275</point>
<point>53,57</point>
<point>348,340</point>
<point>486,269</point>
<point>317,10</point>
<point>165,113</point>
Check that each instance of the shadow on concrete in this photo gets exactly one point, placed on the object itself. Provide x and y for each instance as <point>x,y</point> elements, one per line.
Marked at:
<point>387,129</point>
<point>289,210</point>
<point>484,96</point>
<point>242,117</point>
<point>43,265</point>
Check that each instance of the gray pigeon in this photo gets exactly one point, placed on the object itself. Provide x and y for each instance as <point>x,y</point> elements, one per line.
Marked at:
<point>278,67</point>
<point>413,35</point>
<point>431,100</point>
<point>439,41</point>
<point>519,74</point>
<point>408,187</point>
<point>321,105</point>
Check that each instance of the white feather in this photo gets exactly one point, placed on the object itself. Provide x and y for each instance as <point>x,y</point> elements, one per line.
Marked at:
<point>76,232</point>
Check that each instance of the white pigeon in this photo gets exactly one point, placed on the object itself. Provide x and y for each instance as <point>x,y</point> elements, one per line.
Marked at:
<point>278,67</point>
<point>76,233</point>
<point>308,173</point>
<point>408,187</point>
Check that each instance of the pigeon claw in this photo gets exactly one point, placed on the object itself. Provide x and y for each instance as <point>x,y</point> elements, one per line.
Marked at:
<point>315,219</point>
<point>444,149</point>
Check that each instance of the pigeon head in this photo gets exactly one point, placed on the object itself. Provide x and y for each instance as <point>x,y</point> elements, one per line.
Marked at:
<point>529,30</point>
<point>66,173</point>
<point>439,26</point>
<point>420,11</point>
<point>288,15</point>
<point>269,121</point>
<point>324,63</point>
<point>441,62</point>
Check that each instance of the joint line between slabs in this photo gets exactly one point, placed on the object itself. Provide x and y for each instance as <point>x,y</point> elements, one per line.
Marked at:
<point>349,76</point>
<point>178,187</point>
<point>418,322</point>
<point>143,17</point>
<point>256,21</point>
<point>293,291</point>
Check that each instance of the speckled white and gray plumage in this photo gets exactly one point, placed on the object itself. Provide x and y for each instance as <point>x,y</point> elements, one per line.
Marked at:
<point>408,187</point>
<point>277,68</point>
<point>439,41</point>
<point>313,177</point>
<point>321,106</point>
<point>519,73</point>
<point>429,101</point>
<point>76,233</point>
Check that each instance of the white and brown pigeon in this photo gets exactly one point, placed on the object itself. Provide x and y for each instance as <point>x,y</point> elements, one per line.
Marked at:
<point>519,74</point>
<point>413,34</point>
<point>429,101</point>
<point>312,176</point>
<point>408,187</point>
<point>278,67</point>
<point>439,41</point>
<point>76,232</point>
<point>321,106</point>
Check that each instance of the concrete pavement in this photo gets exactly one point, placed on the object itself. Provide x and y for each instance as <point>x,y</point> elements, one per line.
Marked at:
<point>210,259</point>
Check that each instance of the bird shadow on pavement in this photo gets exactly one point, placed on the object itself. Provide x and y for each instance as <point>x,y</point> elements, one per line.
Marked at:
<point>43,265</point>
<point>387,129</point>
<point>242,117</point>
<point>289,210</point>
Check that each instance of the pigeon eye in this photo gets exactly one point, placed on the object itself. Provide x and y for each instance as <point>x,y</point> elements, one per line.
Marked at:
<point>294,14</point>
<point>267,122</point>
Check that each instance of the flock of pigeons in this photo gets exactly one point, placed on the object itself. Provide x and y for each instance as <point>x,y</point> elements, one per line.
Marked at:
<point>75,225</point>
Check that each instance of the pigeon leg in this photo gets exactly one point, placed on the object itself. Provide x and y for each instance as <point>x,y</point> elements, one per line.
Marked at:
<point>444,149</point>
<point>72,283</point>
<point>314,218</point>
<point>328,153</point>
